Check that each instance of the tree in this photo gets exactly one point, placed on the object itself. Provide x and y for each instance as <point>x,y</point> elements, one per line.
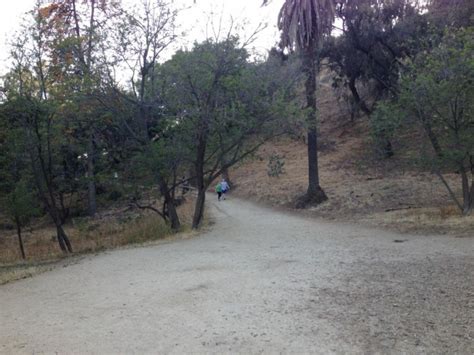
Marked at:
<point>20,207</point>
<point>451,13</point>
<point>224,107</point>
<point>76,33</point>
<point>303,24</point>
<point>141,35</point>
<point>376,38</point>
<point>144,33</point>
<point>17,198</point>
<point>436,90</point>
<point>42,141</point>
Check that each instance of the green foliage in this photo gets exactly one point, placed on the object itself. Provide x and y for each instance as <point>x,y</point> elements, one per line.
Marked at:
<point>17,196</point>
<point>436,95</point>
<point>378,38</point>
<point>385,123</point>
<point>214,91</point>
<point>21,204</point>
<point>437,90</point>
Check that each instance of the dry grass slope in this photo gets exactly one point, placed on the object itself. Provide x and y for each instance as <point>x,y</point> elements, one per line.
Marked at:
<point>112,228</point>
<point>391,193</point>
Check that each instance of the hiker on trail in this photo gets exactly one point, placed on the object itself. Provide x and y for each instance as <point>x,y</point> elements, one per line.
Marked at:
<point>219,191</point>
<point>224,187</point>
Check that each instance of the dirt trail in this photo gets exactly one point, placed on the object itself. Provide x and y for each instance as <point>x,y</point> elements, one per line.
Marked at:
<point>259,281</point>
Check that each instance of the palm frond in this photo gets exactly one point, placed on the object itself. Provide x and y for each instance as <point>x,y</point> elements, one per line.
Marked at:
<point>304,22</point>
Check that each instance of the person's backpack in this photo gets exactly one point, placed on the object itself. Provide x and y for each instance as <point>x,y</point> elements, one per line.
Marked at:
<point>219,187</point>
<point>224,186</point>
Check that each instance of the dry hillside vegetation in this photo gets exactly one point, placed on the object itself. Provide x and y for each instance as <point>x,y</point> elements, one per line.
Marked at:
<point>390,193</point>
<point>111,228</point>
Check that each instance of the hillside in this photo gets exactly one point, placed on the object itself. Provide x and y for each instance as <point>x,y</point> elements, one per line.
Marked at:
<point>361,188</point>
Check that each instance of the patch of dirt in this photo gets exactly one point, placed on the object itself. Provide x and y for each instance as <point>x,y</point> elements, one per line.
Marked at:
<point>398,305</point>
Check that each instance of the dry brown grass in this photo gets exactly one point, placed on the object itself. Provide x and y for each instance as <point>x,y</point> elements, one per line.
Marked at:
<point>406,201</point>
<point>110,229</point>
<point>19,271</point>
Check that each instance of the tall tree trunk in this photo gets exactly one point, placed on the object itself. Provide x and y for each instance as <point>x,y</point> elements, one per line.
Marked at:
<point>315,193</point>
<point>20,239</point>
<point>91,188</point>
<point>200,185</point>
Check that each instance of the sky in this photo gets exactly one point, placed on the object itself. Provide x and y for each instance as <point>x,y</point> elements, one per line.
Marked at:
<point>195,21</point>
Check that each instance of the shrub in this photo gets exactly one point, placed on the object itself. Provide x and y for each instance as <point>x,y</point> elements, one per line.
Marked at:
<point>275,165</point>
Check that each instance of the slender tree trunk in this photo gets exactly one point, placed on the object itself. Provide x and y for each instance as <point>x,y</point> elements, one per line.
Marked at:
<point>173,190</point>
<point>61,242</point>
<point>87,62</point>
<point>174,217</point>
<point>313,169</point>
<point>199,208</point>
<point>63,239</point>
<point>387,145</point>
<point>200,185</point>
<point>169,201</point>
<point>450,191</point>
<point>466,192</point>
<point>471,204</point>
<point>40,177</point>
<point>315,193</point>
<point>431,135</point>
<point>355,94</point>
<point>91,188</point>
<point>20,239</point>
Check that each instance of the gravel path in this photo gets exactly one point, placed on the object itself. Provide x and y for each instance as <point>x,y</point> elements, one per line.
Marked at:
<point>259,281</point>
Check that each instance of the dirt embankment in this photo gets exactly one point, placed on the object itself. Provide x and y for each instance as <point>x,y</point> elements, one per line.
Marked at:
<point>361,187</point>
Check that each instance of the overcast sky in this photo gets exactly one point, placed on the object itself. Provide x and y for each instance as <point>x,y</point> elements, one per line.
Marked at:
<point>194,21</point>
